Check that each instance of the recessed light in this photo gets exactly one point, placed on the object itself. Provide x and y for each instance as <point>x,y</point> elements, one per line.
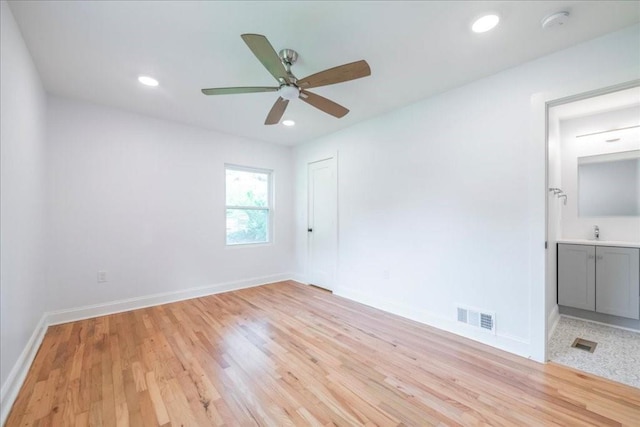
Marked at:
<point>485,23</point>
<point>148,81</point>
<point>288,122</point>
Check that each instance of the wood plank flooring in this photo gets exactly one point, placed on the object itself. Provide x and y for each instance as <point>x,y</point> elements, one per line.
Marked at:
<point>290,355</point>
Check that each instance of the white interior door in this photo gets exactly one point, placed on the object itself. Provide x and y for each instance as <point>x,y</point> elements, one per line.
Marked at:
<point>322,230</point>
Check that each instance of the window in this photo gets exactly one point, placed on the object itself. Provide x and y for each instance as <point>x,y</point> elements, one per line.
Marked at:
<point>248,200</point>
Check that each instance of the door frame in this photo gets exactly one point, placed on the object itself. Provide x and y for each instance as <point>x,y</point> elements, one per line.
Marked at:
<point>335,279</point>
<point>541,324</point>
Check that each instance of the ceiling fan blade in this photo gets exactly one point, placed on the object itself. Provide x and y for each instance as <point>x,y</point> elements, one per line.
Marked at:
<point>324,104</point>
<point>274,116</point>
<point>339,74</point>
<point>235,90</point>
<point>263,50</point>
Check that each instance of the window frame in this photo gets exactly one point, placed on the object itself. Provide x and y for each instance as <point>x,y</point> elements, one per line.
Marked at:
<point>269,208</point>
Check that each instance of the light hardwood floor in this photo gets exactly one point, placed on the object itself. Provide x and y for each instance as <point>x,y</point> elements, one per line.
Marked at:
<point>288,354</point>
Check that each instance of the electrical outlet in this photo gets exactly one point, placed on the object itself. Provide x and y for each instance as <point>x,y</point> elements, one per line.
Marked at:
<point>102,276</point>
<point>386,275</point>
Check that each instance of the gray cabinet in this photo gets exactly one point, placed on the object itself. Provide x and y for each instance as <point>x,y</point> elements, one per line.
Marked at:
<point>617,281</point>
<point>577,276</point>
<point>600,278</point>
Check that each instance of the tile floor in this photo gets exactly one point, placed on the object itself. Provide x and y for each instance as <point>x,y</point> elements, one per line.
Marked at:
<point>616,357</point>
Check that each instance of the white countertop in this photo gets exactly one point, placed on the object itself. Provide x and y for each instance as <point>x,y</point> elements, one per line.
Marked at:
<point>600,243</point>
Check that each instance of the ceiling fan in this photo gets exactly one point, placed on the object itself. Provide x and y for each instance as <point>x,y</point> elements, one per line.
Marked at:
<point>289,87</point>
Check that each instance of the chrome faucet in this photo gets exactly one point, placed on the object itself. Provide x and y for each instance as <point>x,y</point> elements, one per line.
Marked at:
<point>596,232</point>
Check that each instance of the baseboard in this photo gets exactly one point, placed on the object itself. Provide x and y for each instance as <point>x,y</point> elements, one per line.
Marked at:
<point>299,278</point>
<point>113,307</point>
<point>13,383</point>
<point>552,322</point>
<point>515,345</point>
<point>11,386</point>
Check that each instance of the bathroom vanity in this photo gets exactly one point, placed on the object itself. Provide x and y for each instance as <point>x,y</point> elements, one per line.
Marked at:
<point>600,277</point>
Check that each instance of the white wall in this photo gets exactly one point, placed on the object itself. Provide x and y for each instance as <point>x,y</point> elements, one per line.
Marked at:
<point>577,227</point>
<point>448,195</point>
<point>22,192</point>
<point>143,200</point>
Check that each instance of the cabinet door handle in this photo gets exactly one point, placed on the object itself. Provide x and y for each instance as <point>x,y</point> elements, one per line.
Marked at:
<point>599,257</point>
<point>591,257</point>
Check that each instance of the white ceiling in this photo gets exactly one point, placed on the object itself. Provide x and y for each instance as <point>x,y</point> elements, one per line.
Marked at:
<point>95,50</point>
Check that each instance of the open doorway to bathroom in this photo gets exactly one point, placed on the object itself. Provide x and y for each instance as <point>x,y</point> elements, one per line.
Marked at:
<point>593,232</point>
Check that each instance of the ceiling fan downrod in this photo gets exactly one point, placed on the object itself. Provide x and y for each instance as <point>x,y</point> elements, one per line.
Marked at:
<point>288,58</point>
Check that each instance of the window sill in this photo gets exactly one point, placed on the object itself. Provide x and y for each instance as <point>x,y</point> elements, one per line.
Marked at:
<point>248,245</point>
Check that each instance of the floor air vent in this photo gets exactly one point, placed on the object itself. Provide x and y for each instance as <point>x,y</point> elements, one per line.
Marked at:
<point>479,319</point>
<point>585,345</point>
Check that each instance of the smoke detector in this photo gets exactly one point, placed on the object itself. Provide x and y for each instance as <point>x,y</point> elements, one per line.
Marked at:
<point>558,19</point>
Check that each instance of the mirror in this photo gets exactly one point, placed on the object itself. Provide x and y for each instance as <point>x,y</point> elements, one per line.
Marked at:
<point>609,185</point>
